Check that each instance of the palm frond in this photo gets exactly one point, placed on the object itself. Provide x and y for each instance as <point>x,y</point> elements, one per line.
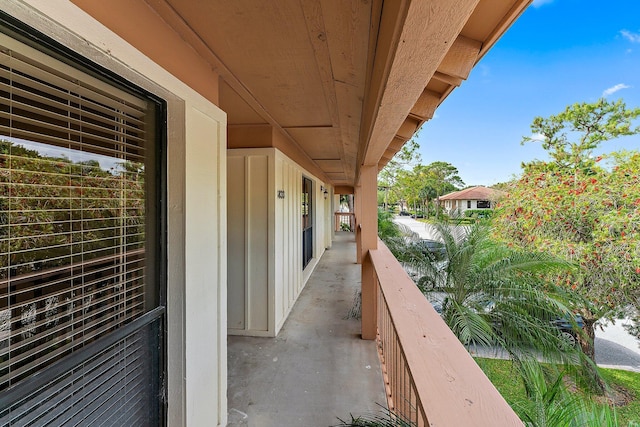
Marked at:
<point>495,294</point>
<point>468,325</point>
<point>549,404</point>
<point>385,418</point>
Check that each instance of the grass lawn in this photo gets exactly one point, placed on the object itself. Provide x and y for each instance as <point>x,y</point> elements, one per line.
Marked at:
<point>626,385</point>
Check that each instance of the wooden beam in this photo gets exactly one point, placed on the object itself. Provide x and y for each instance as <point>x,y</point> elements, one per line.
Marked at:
<point>397,143</point>
<point>343,189</point>
<point>318,37</point>
<point>388,155</point>
<point>407,129</point>
<point>445,78</point>
<point>461,58</point>
<point>513,14</point>
<point>414,38</point>
<point>426,105</point>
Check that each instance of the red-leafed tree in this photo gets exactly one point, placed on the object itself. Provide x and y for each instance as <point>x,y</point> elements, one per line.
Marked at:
<point>581,208</point>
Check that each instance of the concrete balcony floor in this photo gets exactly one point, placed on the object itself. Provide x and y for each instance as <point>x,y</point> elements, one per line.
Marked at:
<point>318,368</point>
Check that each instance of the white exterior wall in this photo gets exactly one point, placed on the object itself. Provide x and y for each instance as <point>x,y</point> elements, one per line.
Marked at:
<point>265,239</point>
<point>197,265</point>
<point>461,205</point>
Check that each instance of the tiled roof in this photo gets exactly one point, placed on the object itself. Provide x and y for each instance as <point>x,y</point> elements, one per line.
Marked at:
<point>474,193</point>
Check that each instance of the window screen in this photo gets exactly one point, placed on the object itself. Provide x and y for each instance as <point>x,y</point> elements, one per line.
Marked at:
<point>77,215</point>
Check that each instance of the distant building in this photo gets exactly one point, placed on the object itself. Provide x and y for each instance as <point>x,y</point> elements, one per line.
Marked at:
<point>471,198</point>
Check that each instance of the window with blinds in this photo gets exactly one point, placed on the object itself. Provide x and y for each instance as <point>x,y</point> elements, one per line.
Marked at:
<point>77,210</point>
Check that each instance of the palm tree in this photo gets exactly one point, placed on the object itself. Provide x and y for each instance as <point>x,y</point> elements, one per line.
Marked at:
<point>492,295</point>
<point>550,404</point>
<point>384,419</point>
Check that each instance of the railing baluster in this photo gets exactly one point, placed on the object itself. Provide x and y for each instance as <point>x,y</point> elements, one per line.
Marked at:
<point>346,218</point>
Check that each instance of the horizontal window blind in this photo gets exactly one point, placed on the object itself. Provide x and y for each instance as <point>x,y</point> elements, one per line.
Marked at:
<point>115,384</point>
<point>73,209</point>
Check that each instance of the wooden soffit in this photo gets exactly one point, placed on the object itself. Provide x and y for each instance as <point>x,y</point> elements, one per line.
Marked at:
<point>338,82</point>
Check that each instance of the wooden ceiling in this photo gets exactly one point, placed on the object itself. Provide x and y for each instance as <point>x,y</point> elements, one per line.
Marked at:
<point>344,83</point>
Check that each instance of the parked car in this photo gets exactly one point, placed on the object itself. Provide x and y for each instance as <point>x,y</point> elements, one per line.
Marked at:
<point>566,329</point>
<point>566,326</point>
<point>404,213</point>
<point>432,248</point>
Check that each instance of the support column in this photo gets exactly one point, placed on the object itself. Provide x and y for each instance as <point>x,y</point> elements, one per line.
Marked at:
<point>368,219</point>
<point>357,208</point>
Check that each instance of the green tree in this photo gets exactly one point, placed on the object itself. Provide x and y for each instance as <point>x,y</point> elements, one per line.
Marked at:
<point>592,220</point>
<point>67,207</point>
<point>403,161</point>
<point>408,186</point>
<point>387,228</point>
<point>442,178</point>
<point>577,209</point>
<point>590,124</point>
<point>428,194</point>
<point>491,294</point>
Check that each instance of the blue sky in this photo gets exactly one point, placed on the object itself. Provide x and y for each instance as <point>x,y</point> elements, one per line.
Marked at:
<point>557,53</point>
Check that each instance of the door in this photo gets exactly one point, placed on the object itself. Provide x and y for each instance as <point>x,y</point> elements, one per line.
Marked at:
<point>307,221</point>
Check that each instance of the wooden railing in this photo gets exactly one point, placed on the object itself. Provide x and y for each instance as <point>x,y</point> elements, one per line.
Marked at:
<point>347,218</point>
<point>430,378</point>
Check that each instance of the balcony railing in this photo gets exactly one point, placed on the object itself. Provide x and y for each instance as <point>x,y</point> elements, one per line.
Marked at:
<point>346,218</point>
<point>430,378</point>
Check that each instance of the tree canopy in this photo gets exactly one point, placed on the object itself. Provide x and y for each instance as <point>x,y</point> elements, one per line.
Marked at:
<point>579,208</point>
<point>590,124</point>
<point>406,181</point>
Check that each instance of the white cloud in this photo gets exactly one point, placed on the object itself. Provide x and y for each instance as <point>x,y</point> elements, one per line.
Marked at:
<point>632,37</point>
<point>537,137</point>
<point>614,89</point>
<point>538,3</point>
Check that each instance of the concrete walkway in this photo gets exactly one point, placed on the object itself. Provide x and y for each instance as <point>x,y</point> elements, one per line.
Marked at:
<point>318,368</point>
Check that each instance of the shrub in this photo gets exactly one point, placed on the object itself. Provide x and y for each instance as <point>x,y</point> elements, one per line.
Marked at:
<point>478,213</point>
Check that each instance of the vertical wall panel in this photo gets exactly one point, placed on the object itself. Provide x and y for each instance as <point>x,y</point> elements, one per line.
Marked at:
<point>291,236</point>
<point>236,194</point>
<point>278,237</point>
<point>257,254</point>
<point>265,239</point>
<point>202,287</point>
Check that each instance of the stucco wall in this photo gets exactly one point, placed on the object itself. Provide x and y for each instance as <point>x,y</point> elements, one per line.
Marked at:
<point>197,266</point>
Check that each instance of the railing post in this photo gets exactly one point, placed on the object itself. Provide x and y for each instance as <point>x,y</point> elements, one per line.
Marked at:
<point>367,216</point>
<point>369,300</point>
<point>358,231</point>
<point>357,202</point>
